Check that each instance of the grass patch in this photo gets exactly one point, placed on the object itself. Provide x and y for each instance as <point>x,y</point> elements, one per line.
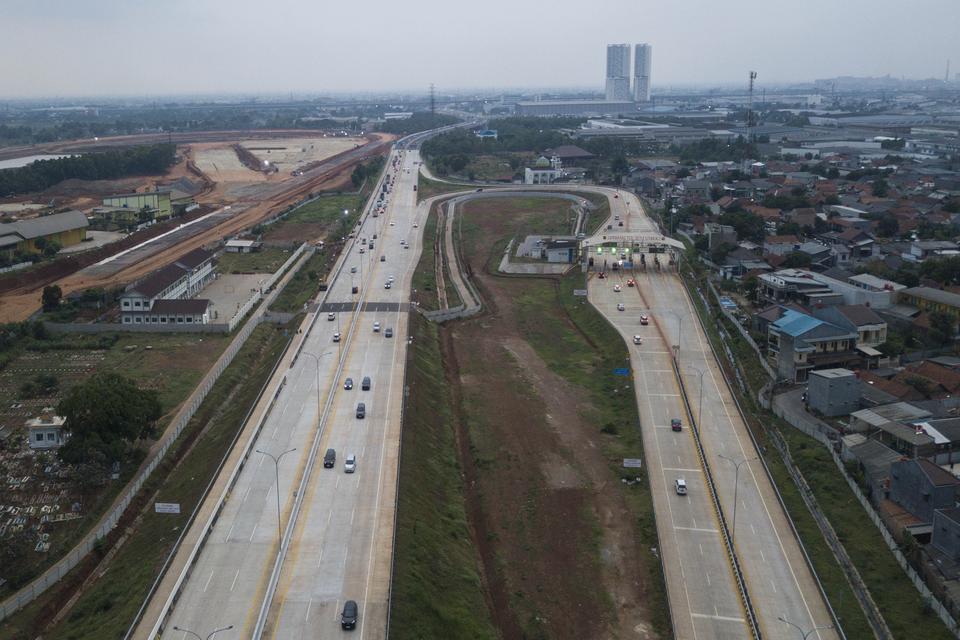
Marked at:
<point>437,590</point>
<point>599,213</point>
<point>898,600</point>
<point>109,606</point>
<point>427,188</point>
<point>304,284</point>
<point>425,275</point>
<point>267,260</point>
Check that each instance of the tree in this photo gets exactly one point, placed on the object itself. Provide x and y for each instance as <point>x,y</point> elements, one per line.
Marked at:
<point>619,167</point>
<point>796,260</point>
<point>880,188</point>
<point>943,327</point>
<point>51,297</point>
<point>105,415</point>
<point>888,226</point>
<point>52,249</point>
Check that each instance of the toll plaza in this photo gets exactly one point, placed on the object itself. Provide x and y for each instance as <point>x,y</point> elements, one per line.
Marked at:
<point>630,252</point>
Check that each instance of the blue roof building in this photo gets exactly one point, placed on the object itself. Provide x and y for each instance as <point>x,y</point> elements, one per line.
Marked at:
<point>797,343</point>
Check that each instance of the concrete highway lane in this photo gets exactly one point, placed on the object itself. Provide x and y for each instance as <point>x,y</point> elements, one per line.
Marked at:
<point>703,595</point>
<point>342,544</point>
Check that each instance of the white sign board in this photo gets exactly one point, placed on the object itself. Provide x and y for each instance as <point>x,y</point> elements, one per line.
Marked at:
<point>580,292</point>
<point>166,507</point>
<point>632,463</point>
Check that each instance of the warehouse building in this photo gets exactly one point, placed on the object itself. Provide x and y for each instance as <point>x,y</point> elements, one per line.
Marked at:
<point>157,203</point>
<point>30,236</point>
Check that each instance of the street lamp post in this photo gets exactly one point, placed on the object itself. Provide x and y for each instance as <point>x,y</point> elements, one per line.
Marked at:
<point>198,636</point>
<point>700,407</point>
<point>317,360</point>
<point>736,488</point>
<point>276,469</point>
<point>679,333</point>
<point>805,634</point>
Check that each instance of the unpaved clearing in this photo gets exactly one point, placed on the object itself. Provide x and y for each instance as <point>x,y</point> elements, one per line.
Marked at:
<point>221,163</point>
<point>293,153</point>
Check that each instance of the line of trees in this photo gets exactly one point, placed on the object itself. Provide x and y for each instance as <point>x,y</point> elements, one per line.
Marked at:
<point>106,165</point>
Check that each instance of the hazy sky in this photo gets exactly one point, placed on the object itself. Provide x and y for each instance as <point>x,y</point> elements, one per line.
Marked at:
<point>156,47</point>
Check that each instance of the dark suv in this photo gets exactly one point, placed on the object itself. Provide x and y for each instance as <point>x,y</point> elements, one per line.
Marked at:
<point>348,619</point>
<point>330,459</point>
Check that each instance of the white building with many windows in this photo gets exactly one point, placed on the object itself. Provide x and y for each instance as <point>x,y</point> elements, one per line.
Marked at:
<point>164,297</point>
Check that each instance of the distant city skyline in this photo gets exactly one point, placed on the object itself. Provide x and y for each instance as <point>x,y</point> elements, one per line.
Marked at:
<point>210,47</point>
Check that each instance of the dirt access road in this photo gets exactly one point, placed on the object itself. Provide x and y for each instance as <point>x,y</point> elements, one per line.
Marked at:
<point>263,200</point>
<point>557,538</point>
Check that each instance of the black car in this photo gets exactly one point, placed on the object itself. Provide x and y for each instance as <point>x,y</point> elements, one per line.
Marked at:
<point>329,459</point>
<point>361,411</point>
<point>348,619</point>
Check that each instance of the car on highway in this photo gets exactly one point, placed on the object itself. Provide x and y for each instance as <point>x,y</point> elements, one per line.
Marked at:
<point>362,250</point>
<point>676,425</point>
<point>388,333</point>
<point>620,307</point>
<point>361,411</point>
<point>355,289</point>
<point>350,464</point>
<point>601,275</point>
<point>331,316</point>
<point>348,384</point>
<point>630,282</point>
<point>616,288</point>
<point>637,340</point>
<point>336,337</point>
<point>376,327</point>
<point>415,225</point>
<point>644,320</point>
<point>374,236</point>
<point>620,224</point>
<point>365,385</point>
<point>348,619</point>
<point>406,246</point>
<point>353,269</point>
<point>392,223</point>
<point>681,486</point>
<point>387,284</point>
<point>329,459</point>
<point>383,258</point>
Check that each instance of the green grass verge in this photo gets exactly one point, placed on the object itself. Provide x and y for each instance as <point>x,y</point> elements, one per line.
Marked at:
<point>896,597</point>
<point>303,285</point>
<point>437,590</point>
<point>267,260</point>
<point>425,275</point>
<point>427,188</point>
<point>108,607</point>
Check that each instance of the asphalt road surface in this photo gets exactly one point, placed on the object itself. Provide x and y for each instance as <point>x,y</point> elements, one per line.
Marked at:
<point>342,543</point>
<point>703,596</point>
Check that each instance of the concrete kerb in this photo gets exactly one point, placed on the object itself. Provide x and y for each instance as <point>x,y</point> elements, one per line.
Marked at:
<point>776,490</point>
<point>206,492</point>
<point>727,539</point>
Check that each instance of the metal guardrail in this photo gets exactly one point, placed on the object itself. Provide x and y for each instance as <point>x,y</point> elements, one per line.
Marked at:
<point>766,469</point>
<point>727,539</point>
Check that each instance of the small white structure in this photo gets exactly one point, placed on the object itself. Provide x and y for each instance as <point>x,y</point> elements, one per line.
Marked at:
<point>47,430</point>
<point>543,171</point>
<point>243,246</point>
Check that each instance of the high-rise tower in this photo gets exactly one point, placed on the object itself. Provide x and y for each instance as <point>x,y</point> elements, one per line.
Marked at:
<point>642,62</point>
<point>618,72</point>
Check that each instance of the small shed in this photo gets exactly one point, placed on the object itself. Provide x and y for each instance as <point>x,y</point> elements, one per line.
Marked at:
<point>243,246</point>
<point>47,431</point>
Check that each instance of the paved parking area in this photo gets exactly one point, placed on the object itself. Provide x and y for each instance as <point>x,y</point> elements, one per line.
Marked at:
<point>229,292</point>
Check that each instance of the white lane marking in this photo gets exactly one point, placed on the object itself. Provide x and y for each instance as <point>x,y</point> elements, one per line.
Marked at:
<point>682,469</point>
<point>706,574</point>
<point>234,583</point>
<point>207,583</point>
<point>254,531</point>
<point>762,557</point>
<point>352,513</point>
<point>227,538</point>
<point>701,548</point>
<point>717,617</point>
<point>774,585</point>
<point>309,604</point>
<point>320,559</point>
<point>337,483</point>
<point>701,529</point>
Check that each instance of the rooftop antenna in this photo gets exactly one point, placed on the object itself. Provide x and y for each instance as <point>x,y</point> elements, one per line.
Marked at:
<point>753,76</point>
<point>433,101</point>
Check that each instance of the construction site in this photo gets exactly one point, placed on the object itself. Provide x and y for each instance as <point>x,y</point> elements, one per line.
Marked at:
<point>241,179</point>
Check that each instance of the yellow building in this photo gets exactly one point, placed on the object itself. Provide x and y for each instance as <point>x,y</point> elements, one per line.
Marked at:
<point>26,236</point>
<point>157,202</point>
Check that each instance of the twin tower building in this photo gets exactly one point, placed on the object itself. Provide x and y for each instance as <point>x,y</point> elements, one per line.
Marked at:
<point>618,73</point>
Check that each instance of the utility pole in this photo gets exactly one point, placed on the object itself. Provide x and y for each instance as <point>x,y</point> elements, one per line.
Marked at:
<point>753,76</point>
<point>433,101</point>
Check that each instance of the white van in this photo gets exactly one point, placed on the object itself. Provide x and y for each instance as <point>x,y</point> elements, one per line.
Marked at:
<point>681,485</point>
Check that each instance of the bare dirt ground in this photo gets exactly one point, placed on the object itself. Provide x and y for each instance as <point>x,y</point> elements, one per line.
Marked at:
<point>275,193</point>
<point>554,532</point>
<point>292,153</point>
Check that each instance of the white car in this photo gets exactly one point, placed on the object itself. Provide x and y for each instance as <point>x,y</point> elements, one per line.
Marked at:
<point>376,327</point>
<point>331,316</point>
<point>620,307</point>
<point>336,337</point>
<point>415,225</point>
<point>362,250</point>
<point>350,464</point>
<point>637,340</point>
<point>616,288</point>
<point>391,223</point>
